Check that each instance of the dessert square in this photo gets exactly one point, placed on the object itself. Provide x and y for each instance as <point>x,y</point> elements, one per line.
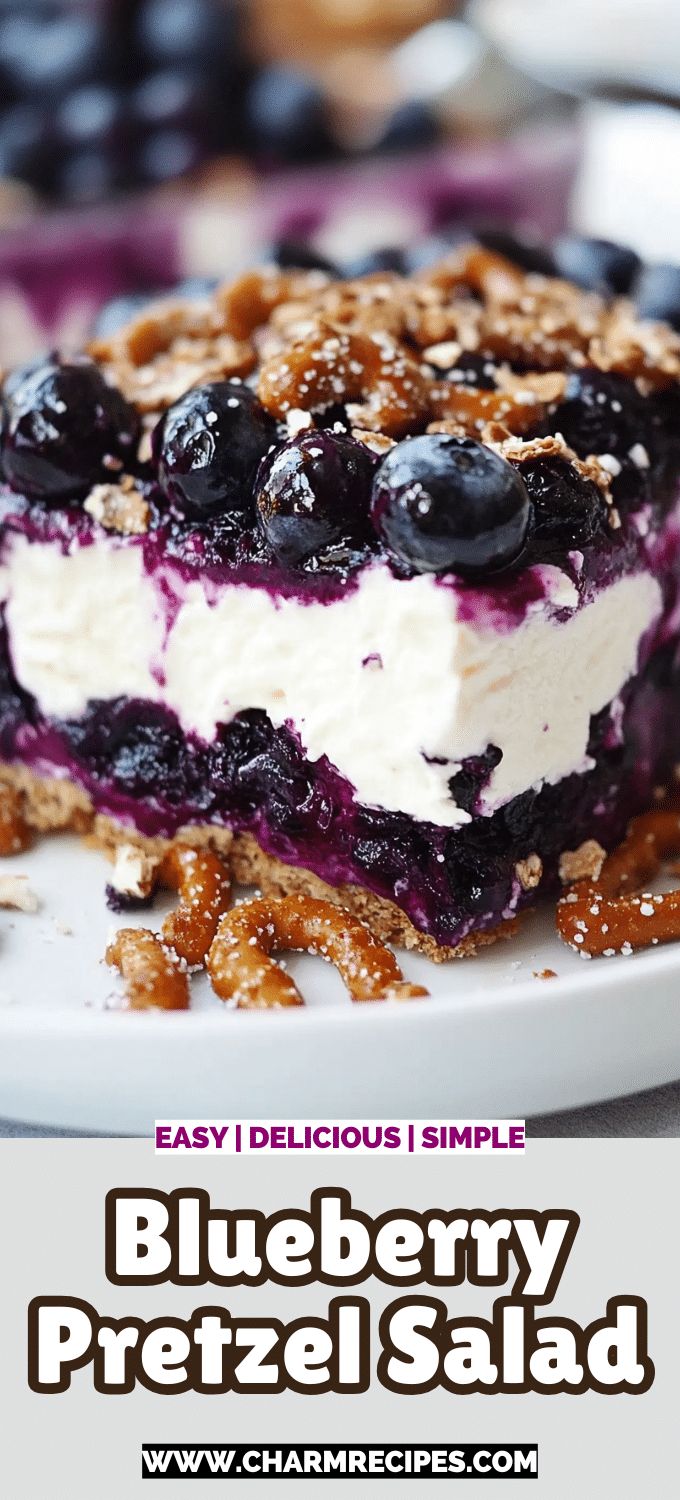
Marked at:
<point>370,584</point>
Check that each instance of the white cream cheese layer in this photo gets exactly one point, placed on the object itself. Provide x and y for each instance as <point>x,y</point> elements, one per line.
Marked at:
<point>387,683</point>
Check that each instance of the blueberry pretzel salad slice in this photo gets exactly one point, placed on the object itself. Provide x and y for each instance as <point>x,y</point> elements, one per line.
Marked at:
<point>368,585</point>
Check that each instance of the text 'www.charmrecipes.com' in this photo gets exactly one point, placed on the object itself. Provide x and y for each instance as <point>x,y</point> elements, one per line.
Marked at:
<point>340,1137</point>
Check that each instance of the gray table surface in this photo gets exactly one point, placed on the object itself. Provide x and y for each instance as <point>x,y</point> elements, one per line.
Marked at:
<point>654,1113</point>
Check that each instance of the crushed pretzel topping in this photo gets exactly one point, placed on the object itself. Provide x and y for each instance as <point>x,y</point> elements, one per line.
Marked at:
<point>119,507</point>
<point>529,871</point>
<point>380,345</point>
<point>378,442</point>
<point>16,893</point>
<point>582,863</point>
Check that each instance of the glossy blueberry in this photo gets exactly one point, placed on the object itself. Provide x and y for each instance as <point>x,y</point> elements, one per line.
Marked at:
<point>166,154</point>
<point>46,55</point>
<point>412,127</point>
<point>313,497</point>
<point>173,99</point>
<point>86,177</point>
<point>601,413</point>
<point>597,265</point>
<point>90,116</point>
<point>285,116</point>
<point>299,255</point>
<point>527,252</point>
<point>446,503</point>
<point>24,144</point>
<point>657,294</point>
<point>181,31</point>
<point>567,510</point>
<point>60,422</point>
<point>371,262</point>
<point>207,447</point>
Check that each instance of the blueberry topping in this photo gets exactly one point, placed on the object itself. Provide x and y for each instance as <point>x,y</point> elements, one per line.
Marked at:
<point>466,785</point>
<point>313,498</point>
<point>567,510</point>
<point>299,255</point>
<point>286,116</point>
<point>90,117</point>
<point>600,413</point>
<point>385,258</point>
<point>657,294</point>
<point>179,30</point>
<point>412,127</point>
<point>60,422</point>
<point>524,251</point>
<point>597,265</point>
<point>208,445</point>
<point>24,143</point>
<point>450,504</point>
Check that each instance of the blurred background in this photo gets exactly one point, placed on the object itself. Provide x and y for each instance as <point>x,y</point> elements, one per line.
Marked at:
<point>147,143</point>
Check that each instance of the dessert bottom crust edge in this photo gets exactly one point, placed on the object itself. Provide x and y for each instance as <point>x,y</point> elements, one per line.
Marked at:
<point>55,804</point>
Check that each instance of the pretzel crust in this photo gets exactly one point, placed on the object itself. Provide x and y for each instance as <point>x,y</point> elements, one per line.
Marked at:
<point>612,913</point>
<point>241,967</point>
<point>15,833</point>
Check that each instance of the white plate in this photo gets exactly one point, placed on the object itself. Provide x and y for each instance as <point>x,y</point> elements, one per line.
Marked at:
<point>493,1040</point>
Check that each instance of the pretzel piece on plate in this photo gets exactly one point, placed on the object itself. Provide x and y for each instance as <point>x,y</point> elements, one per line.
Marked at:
<point>612,913</point>
<point>204,888</point>
<point>241,967</point>
<point>151,975</point>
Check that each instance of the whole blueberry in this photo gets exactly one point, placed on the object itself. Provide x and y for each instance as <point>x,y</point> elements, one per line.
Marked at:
<point>597,265</point>
<point>313,496</point>
<point>207,447</point>
<point>286,116</point>
<point>182,30</point>
<point>60,422</point>
<point>657,294</point>
<point>299,255</point>
<point>86,177</point>
<point>44,54</point>
<point>166,154</point>
<point>567,510</point>
<point>413,126</point>
<point>372,262</point>
<point>91,116</point>
<point>601,412</point>
<point>173,99</point>
<point>449,504</point>
<point>527,252</point>
<point>24,144</point>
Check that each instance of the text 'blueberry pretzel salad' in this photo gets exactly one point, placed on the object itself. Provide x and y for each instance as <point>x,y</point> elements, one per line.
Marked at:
<point>372,586</point>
